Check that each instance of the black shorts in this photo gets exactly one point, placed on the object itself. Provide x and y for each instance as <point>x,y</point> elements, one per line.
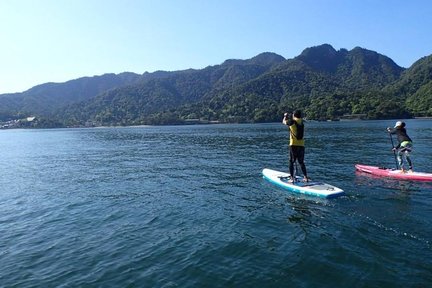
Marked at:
<point>297,153</point>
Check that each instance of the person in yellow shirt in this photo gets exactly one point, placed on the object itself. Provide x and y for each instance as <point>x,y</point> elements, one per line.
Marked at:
<point>295,124</point>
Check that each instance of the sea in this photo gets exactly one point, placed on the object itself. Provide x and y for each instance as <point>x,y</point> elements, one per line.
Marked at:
<point>187,206</point>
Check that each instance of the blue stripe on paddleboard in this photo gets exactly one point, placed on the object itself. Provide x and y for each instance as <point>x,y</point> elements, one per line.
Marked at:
<point>293,189</point>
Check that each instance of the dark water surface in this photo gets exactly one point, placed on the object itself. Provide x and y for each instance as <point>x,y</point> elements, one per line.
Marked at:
<point>187,207</point>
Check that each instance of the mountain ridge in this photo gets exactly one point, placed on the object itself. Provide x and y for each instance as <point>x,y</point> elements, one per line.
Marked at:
<point>325,82</point>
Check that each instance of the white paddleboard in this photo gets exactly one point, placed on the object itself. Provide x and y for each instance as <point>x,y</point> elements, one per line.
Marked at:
<point>313,188</point>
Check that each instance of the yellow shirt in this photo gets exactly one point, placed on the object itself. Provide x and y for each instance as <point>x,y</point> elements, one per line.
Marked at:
<point>293,132</point>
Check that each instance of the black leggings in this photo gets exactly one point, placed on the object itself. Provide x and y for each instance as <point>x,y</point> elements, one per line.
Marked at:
<point>297,154</point>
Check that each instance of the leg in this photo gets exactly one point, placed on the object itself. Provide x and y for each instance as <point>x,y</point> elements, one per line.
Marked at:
<point>291,169</point>
<point>399,159</point>
<point>292,159</point>
<point>301,153</point>
<point>408,159</point>
<point>407,152</point>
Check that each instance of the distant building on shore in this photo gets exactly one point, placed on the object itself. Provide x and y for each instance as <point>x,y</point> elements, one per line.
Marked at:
<point>348,117</point>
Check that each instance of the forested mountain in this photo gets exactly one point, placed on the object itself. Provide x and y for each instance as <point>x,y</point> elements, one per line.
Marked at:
<point>46,98</point>
<point>324,82</point>
<point>138,104</point>
<point>415,86</point>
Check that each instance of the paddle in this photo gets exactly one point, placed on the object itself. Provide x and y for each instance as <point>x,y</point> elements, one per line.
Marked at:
<point>394,151</point>
<point>286,118</point>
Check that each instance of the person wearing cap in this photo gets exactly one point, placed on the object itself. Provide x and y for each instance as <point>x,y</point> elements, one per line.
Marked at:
<point>296,145</point>
<point>404,146</point>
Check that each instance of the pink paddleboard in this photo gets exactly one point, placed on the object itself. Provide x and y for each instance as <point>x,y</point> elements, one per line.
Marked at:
<point>393,173</point>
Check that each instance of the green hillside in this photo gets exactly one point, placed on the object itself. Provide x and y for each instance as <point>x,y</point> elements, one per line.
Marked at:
<point>324,82</point>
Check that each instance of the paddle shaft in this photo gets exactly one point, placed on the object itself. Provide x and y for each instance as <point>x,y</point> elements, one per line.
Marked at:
<point>394,151</point>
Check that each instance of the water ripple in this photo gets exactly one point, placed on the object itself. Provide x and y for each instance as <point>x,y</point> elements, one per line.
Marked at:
<point>186,206</point>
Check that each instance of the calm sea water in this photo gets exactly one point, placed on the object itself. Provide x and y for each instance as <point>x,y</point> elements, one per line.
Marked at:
<point>187,206</point>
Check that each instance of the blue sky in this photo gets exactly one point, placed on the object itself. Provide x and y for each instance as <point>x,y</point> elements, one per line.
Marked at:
<point>60,40</point>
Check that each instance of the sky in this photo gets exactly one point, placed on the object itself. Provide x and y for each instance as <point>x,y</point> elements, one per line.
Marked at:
<point>59,40</point>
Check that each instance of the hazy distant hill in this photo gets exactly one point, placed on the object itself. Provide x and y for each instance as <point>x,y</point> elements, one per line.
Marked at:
<point>324,82</point>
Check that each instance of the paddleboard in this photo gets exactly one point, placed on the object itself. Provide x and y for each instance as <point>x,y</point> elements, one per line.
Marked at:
<point>393,173</point>
<point>313,188</point>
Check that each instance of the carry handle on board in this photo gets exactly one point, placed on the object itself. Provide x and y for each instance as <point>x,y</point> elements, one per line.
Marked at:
<point>394,151</point>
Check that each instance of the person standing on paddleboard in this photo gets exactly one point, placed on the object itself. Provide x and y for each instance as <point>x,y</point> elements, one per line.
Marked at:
<point>404,146</point>
<point>296,145</point>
